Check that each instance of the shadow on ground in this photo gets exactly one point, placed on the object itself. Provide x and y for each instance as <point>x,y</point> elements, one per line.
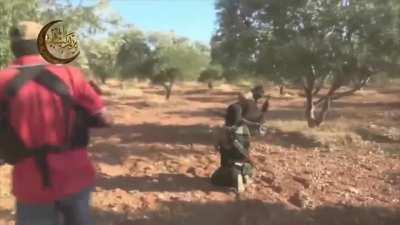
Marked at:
<point>368,135</point>
<point>285,114</point>
<point>197,92</point>
<point>389,91</point>
<point>369,105</point>
<point>157,133</point>
<point>298,113</point>
<point>251,212</point>
<point>115,154</point>
<point>290,139</point>
<point>211,99</point>
<point>225,93</point>
<point>211,113</point>
<point>157,183</point>
<point>392,177</point>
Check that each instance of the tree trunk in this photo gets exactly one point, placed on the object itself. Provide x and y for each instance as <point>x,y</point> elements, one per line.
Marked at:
<point>324,111</point>
<point>314,118</point>
<point>210,85</point>
<point>310,109</point>
<point>168,91</point>
<point>103,79</point>
<point>281,90</point>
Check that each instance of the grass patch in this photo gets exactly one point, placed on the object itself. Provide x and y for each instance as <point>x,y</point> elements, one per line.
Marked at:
<point>331,134</point>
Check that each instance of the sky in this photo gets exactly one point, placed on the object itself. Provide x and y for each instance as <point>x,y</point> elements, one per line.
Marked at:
<point>194,19</point>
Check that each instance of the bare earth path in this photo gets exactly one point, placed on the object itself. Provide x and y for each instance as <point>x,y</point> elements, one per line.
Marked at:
<point>153,166</point>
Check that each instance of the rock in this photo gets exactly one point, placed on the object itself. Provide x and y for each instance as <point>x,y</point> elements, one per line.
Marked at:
<point>174,198</point>
<point>112,170</point>
<point>301,199</point>
<point>149,201</point>
<point>142,166</point>
<point>218,196</point>
<point>267,179</point>
<point>134,192</point>
<point>277,188</point>
<point>353,190</point>
<point>303,181</point>
<point>192,171</point>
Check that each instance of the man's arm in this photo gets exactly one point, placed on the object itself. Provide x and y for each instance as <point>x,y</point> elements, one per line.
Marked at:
<point>90,100</point>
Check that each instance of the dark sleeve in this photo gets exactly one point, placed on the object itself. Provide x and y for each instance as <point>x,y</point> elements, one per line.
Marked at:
<point>233,115</point>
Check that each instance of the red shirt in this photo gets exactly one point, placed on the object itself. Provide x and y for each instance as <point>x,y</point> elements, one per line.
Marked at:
<point>36,115</point>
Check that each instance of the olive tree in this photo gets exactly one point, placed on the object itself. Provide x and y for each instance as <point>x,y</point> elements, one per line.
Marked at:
<point>340,43</point>
<point>210,75</point>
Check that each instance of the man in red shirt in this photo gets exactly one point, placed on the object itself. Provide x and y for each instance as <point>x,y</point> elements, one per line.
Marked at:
<point>36,114</point>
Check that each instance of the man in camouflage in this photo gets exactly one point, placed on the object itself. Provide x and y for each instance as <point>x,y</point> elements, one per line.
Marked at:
<point>243,120</point>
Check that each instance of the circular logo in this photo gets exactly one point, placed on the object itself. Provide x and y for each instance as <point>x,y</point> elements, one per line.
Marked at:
<point>56,44</point>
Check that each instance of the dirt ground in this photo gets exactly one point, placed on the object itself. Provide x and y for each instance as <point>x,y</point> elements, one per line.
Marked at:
<point>154,164</point>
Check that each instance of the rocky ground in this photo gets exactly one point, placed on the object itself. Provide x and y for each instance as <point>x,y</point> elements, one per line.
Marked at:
<point>154,164</point>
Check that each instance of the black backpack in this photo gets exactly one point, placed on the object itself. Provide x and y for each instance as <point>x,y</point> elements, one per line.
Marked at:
<point>12,148</point>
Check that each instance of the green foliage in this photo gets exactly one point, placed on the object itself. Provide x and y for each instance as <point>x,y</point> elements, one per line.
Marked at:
<point>11,12</point>
<point>167,77</point>
<point>146,56</point>
<point>134,57</point>
<point>87,20</point>
<point>234,43</point>
<point>127,51</point>
<point>232,75</point>
<point>190,58</point>
<point>102,56</point>
<point>210,74</point>
<point>290,40</point>
<point>309,42</point>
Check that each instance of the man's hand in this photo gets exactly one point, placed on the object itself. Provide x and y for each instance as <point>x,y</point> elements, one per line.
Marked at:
<point>101,119</point>
<point>265,106</point>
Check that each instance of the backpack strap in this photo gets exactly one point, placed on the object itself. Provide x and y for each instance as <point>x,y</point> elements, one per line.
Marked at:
<point>53,83</point>
<point>47,80</point>
<point>25,75</point>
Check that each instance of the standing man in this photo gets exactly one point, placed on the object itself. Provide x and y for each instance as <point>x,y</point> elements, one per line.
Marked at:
<point>44,107</point>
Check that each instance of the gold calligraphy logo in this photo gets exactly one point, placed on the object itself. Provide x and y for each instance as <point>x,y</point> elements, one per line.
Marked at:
<point>56,44</point>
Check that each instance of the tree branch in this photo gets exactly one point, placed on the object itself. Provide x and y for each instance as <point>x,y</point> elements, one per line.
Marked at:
<point>308,83</point>
<point>362,83</point>
<point>337,83</point>
<point>304,83</point>
<point>324,111</point>
<point>319,85</point>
